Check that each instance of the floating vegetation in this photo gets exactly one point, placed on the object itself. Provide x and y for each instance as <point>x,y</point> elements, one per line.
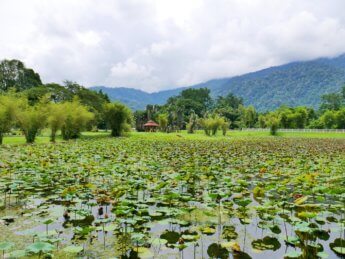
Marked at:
<point>151,197</point>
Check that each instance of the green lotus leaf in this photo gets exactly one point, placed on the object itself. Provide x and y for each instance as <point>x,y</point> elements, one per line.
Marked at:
<point>40,247</point>
<point>73,249</point>
<point>4,246</point>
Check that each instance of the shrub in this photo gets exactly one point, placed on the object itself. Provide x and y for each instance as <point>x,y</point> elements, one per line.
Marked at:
<point>118,117</point>
<point>31,119</point>
<point>8,108</point>
<point>193,122</point>
<point>163,121</point>
<point>212,123</point>
<point>76,118</point>
<point>273,123</point>
<point>56,118</point>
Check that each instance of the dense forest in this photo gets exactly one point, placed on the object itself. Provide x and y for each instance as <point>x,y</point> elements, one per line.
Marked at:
<point>26,103</point>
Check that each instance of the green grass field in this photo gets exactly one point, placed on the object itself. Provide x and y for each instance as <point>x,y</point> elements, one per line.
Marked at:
<point>44,137</point>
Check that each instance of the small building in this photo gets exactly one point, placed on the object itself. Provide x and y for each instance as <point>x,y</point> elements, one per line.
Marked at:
<point>150,126</point>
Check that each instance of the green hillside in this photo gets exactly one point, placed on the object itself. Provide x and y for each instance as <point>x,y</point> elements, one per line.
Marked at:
<point>293,84</point>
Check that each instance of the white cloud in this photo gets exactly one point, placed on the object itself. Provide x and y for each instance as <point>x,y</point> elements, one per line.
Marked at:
<point>89,38</point>
<point>154,44</point>
<point>130,69</point>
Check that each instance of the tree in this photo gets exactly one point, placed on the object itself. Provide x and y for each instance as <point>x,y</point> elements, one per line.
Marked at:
<point>248,116</point>
<point>328,119</point>
<point>118,117</point>
<point>31,119</point>
<point>225,126</point>
<point>211,124</point>
<point>261,121</point>
<point>94,100</point>
<point>340,118</point>
<point>77,117</point>
<point>163,121</point>
<point>193,121</point>
<point>332,101</point>
<point>56,92</point>
<point>8,108</point>
<point>272,121</point>
<point>13,73</point>
<point>56,118</point>
<point>301,117</point>
<point>229,107</point>
<point>140,118</point>
<point>230,100</point>
<point>189,101</point>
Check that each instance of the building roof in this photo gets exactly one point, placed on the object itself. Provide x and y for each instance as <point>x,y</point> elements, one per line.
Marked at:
<point>151,123</point>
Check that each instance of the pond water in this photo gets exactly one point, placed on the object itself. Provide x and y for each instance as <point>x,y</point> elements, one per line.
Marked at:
<point>174,199</point>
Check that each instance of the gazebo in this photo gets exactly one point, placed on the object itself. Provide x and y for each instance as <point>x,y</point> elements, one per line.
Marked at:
<point>151,126</point>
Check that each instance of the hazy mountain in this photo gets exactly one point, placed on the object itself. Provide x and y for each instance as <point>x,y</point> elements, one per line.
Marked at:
<point>296,83</point>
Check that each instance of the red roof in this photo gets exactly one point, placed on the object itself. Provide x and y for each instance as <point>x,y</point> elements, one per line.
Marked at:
<point>151,124</point>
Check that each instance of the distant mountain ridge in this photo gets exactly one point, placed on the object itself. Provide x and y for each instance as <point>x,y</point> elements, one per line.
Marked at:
<point>293,84</point>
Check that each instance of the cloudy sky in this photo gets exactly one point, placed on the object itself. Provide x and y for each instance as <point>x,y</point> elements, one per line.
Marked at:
<point>162,44</point>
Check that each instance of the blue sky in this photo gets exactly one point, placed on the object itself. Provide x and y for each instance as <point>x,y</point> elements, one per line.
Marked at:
<point>161,44</point>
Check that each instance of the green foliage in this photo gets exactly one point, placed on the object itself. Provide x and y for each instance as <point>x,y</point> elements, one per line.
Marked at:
<point>293,84</point>
<point>248,116</point>
<point>56,118</point>
<point>332,101</point>
<point>193,122</point>
<point>31,119</point>
<point>229,107</point>
<point>8,109</point>
<point>14,74</point>
<point>272,121</point>
<point>118,118</point>
<point>163,121</point>
<point>76,118</point>
<point>140,118</point>
<point>189,101</point>
<point>328,119</point>
<point>162,193</point>
<point>211,124</point>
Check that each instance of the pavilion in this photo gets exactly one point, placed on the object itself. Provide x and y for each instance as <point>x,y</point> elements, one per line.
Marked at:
<point>150,126</point>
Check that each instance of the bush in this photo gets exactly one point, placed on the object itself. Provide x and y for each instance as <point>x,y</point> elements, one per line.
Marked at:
<point>118,117</point>
<point>56,118</point>
<point>193,122</point>
<point>163,121</point>
<point>273,123</point>
<point>76,118</point>
<point>211,124</point>
<point>31,119</point>
<point>8,108</point>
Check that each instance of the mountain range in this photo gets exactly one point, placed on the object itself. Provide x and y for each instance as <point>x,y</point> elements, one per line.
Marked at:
<point>292,84</point>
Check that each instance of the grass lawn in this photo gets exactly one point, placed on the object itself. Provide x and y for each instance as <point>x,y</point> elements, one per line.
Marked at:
<point>44,137</point>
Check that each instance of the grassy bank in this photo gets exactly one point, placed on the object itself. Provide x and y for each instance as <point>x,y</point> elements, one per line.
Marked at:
<point>198,135</point>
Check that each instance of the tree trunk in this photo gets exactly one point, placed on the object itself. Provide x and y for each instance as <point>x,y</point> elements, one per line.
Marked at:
<point>1,138</point>
<point>30,136</point>
<point>53,135</point>
<point>115,133</point>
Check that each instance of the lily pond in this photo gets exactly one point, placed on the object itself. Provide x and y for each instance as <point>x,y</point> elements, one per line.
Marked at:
<point>148,197</point>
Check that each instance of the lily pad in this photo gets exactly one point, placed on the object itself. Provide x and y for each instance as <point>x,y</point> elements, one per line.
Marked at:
<point>267,243</point>
<point>73,249</point>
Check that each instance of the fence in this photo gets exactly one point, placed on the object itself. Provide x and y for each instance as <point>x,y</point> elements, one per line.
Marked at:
<point>297,130</point>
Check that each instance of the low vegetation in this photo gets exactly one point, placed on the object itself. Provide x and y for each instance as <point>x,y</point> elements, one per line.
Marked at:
<point>158,195</point>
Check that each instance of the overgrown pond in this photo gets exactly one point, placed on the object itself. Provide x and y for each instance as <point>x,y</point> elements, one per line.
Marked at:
<point>173,198</point>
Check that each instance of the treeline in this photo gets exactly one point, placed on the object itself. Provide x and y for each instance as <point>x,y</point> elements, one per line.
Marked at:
<point>29,105</point>
<point>195,109</point>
